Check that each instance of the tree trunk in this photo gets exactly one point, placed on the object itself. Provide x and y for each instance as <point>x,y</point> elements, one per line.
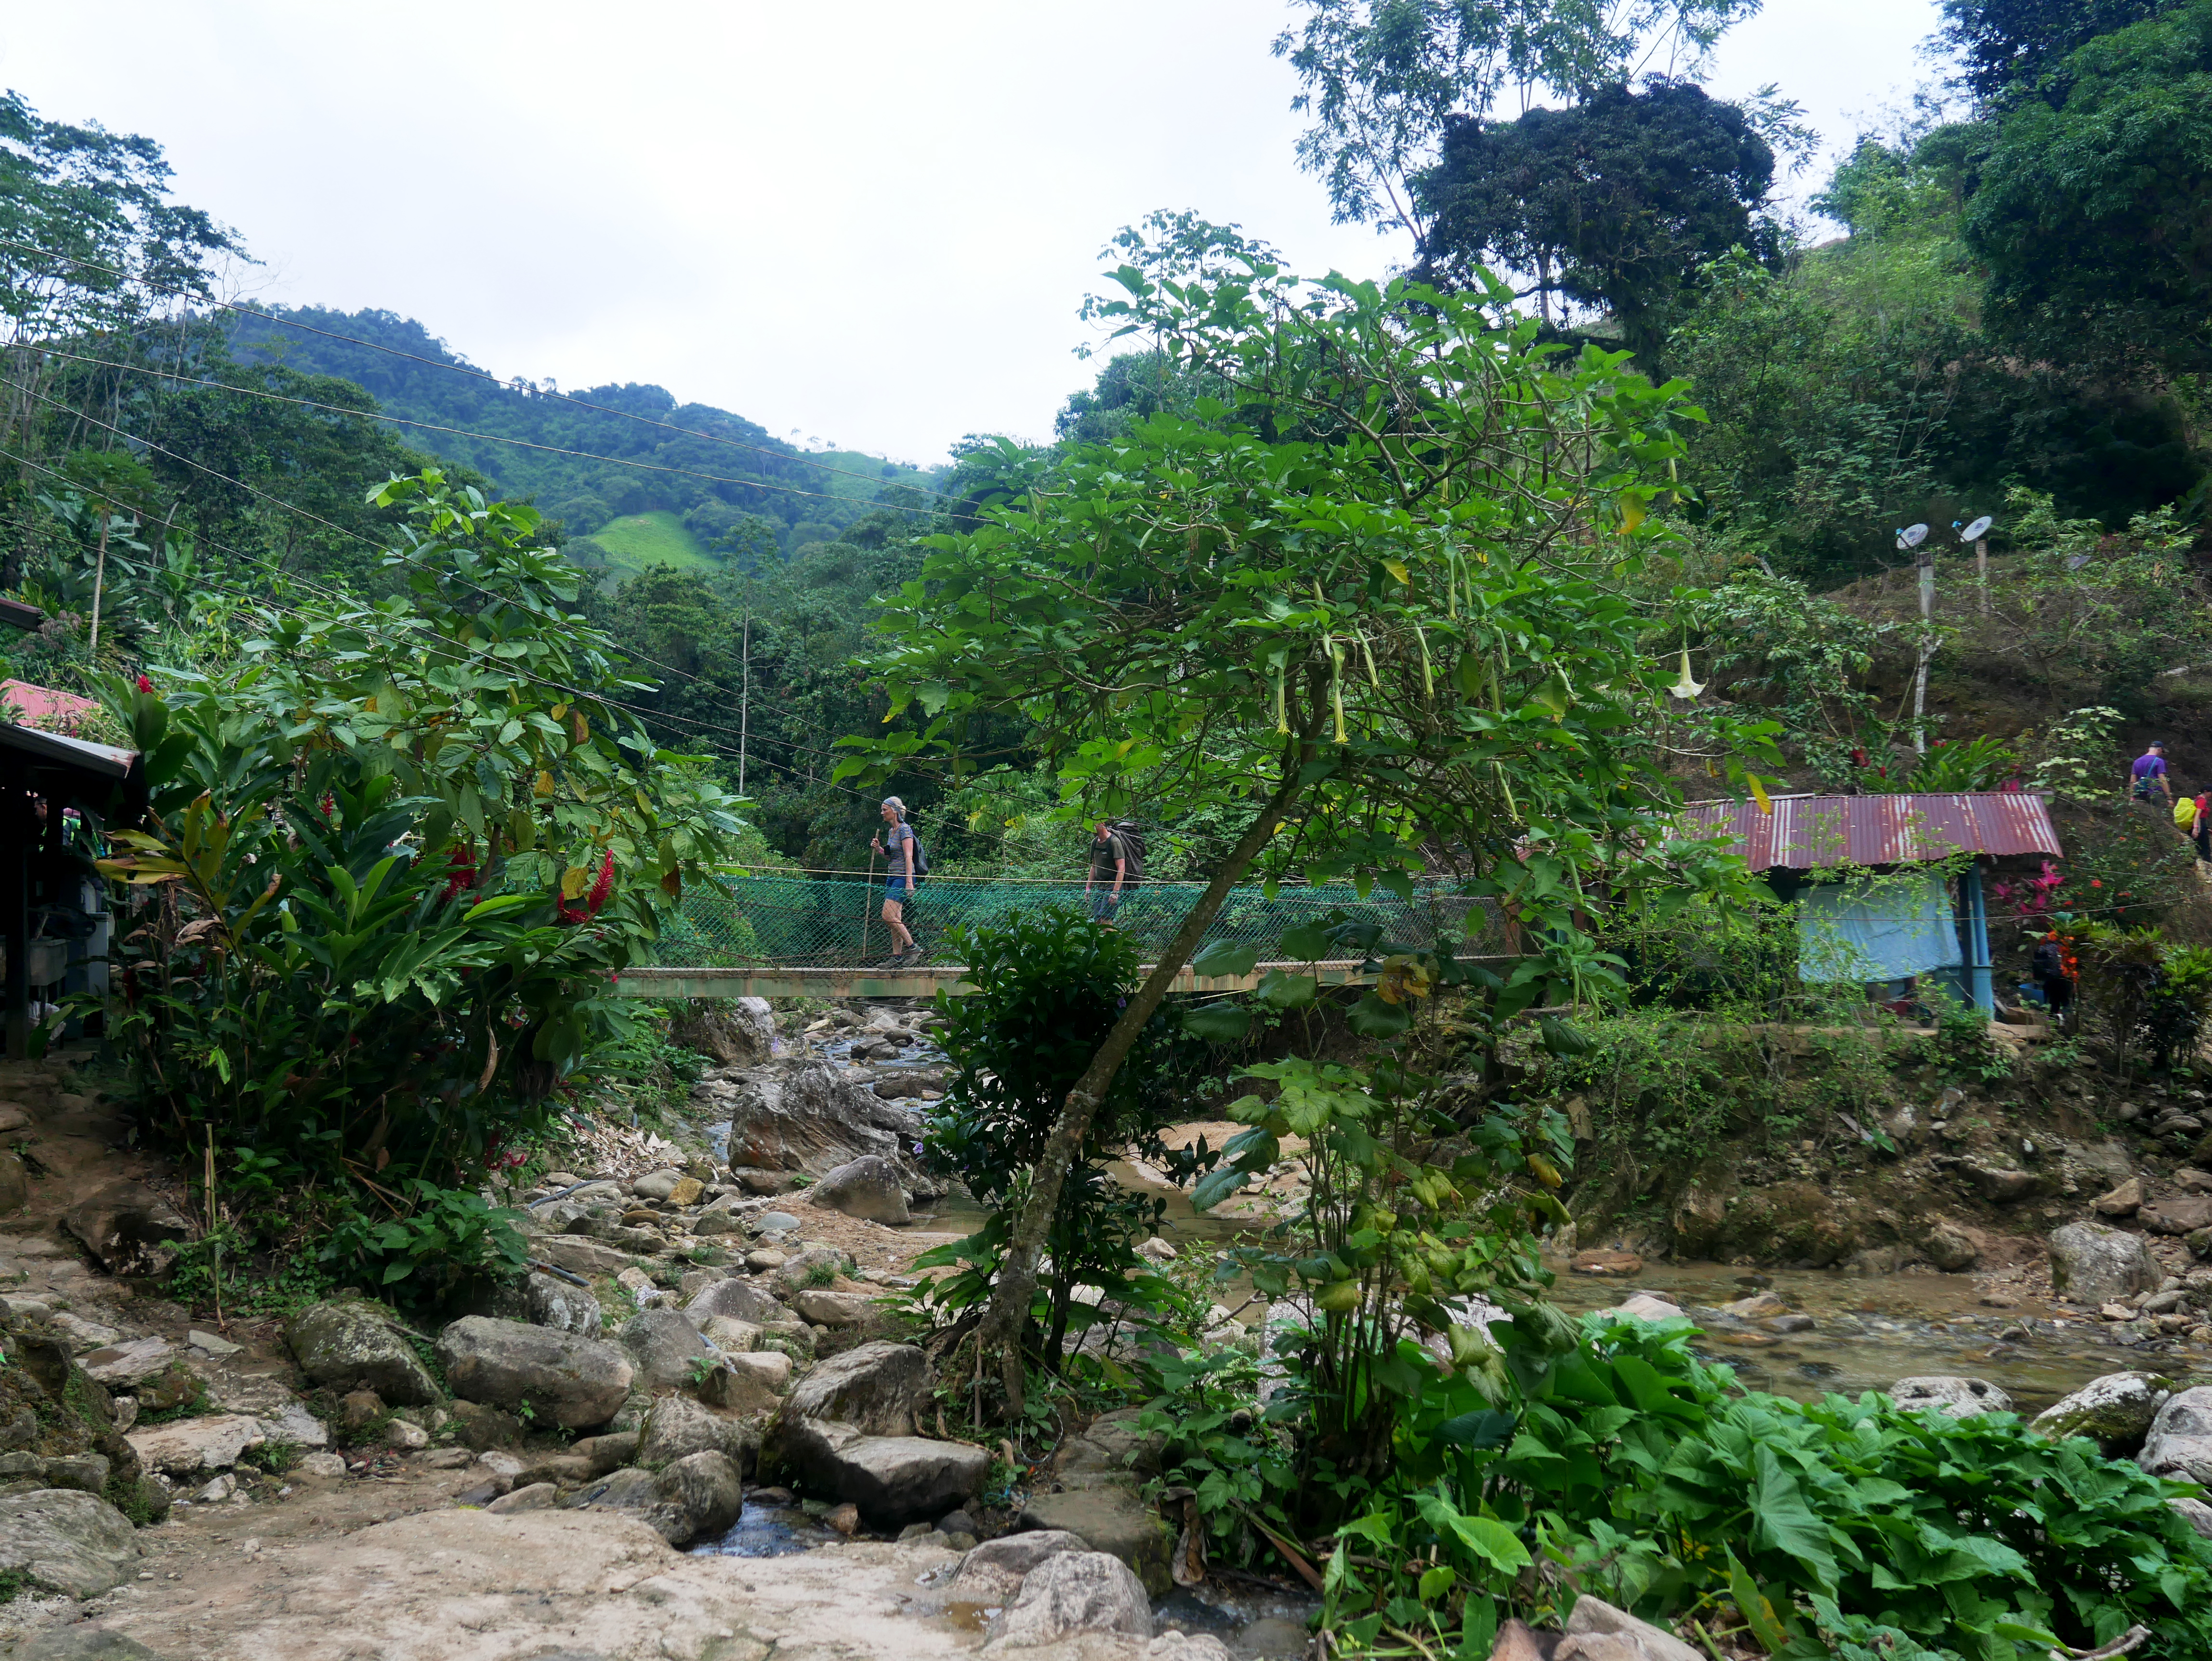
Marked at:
<point>99,582</point>
<point>1003,1325</point>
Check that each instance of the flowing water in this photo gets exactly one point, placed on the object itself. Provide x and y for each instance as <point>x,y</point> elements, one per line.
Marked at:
<point>1868,1333</point>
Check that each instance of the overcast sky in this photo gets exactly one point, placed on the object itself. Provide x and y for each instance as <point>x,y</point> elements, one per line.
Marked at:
<point>866,224</point>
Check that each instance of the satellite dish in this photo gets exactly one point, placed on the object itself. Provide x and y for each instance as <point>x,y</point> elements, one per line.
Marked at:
<point>1911,536</point>
<point>1978,529</point>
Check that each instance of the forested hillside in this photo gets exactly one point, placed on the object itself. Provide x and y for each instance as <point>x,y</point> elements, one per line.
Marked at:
<point>590,458</point>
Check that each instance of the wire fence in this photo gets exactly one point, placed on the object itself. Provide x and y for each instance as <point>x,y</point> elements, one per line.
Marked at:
<point>831,922</point>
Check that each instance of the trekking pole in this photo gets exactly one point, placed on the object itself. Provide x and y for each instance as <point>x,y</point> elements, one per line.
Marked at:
<point>867,896</point>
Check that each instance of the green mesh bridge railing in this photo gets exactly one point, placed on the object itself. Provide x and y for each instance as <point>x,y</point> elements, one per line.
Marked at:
<point>836,922</point>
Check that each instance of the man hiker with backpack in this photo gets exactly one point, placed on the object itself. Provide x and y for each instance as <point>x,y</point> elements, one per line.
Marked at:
<point>2146,778</point>
<point>1117,861</point>
<point>908,866</point>
<point>2048,966</point>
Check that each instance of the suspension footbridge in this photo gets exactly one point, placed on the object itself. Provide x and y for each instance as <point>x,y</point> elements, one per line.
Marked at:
<point>780,936</point>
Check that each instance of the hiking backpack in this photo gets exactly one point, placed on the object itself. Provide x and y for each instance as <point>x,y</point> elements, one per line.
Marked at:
<point>1129,845</point>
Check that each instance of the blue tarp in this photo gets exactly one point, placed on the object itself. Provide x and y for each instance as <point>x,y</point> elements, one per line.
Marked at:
<point>1878,930</point>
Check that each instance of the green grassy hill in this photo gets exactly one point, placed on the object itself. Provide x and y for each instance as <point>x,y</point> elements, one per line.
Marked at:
<point>637,540</point>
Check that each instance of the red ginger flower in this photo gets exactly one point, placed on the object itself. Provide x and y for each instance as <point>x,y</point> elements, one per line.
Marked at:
<point>602,885</point>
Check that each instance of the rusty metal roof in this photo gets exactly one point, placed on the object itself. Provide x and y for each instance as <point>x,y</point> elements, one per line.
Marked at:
<point>1807,832</point>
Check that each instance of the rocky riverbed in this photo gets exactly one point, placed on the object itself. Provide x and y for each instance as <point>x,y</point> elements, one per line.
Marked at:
<point>692,1432</point>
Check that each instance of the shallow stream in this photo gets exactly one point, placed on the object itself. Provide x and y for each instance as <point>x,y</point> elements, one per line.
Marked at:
<point>1868,1333</point>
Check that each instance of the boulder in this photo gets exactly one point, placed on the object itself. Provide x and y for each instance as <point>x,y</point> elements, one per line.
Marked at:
<point>1596,1631</point>
<point>1648,1306</point>
<point>1758,1306</point>
<point>579,1255</point>
<point>893,1479</point>
<point>729,1335</point>
<point>875,1387</point>
<point>70,1541</point>
<point>834,1309</point>
<point>2179,1441</point>
<point>1597,1262</point>
<point>739,1033</point>
<point>656,1184</point>
<point>753,1180</point>
<point>1070,1592</point>
<point>539,1496</point>
<point>129,1227</point>
<point>2093,1264</point>
<point>738,1299</point>
<point>187,1445</point>
<point>817,1266</point>
<point>706,1491</point>
<point>349,1345</point>
<point>662,1346</point>
<point>293,1426</point>
<point>772,1368</point>
<point>2115,1411</point>
<point>1962,1398</point>
<point>1951,1248</point>
<point>867,1188</point>
<point>992,1573</point>
<point>2002,1185</point>
<point>120,1365</point>
<point>777,1222</point>
<point>567,1381</point>
<point>547,1302</point>
<point>2122,1201</point>
<point>744,1391</point>
<point>2185,1215</point>
<point>602,1454</point>
<point>702,1493</point>
<point>811,1119</point>
<point>1112,1515</point>
<point>84,1335</point>
<point>679,1427</point>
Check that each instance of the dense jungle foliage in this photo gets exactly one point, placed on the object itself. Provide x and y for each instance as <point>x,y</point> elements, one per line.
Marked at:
<point>1475,568</point>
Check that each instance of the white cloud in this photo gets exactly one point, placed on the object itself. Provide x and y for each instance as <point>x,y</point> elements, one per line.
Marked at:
<point>870,221</point>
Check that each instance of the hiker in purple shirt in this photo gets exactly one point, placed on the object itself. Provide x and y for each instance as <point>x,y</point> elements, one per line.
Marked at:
<point>2147,779</point>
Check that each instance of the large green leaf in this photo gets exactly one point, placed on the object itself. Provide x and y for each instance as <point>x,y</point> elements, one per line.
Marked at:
<point>1781,1520</point>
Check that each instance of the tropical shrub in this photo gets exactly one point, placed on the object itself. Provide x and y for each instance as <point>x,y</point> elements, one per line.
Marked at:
<point>1409,1216</point>
<point>1049,985</point>
<point>1625,1468</point>
<point>395,855</point>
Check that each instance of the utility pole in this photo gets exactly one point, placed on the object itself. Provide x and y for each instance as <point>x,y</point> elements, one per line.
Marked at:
<point>1927,553</point>
<point>1982,570</point>
<point>100,578</point>
<point>745,696</point>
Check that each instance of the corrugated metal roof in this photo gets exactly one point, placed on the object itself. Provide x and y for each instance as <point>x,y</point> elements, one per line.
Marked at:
<point>1807,832</point>
<point>45,708</point>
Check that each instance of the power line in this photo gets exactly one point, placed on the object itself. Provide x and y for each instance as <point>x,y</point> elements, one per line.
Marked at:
<point>451,657</point>
<point>366,542</point>
<point>278,502</point>
<point>463,432</point>
<point>463,368</point>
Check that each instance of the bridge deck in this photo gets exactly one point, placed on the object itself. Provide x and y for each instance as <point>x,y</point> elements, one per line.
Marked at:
<point>923,980</point>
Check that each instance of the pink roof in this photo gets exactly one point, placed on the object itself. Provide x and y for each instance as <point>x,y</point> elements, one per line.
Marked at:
<point>46,710</point>
<point>1804,832</point>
